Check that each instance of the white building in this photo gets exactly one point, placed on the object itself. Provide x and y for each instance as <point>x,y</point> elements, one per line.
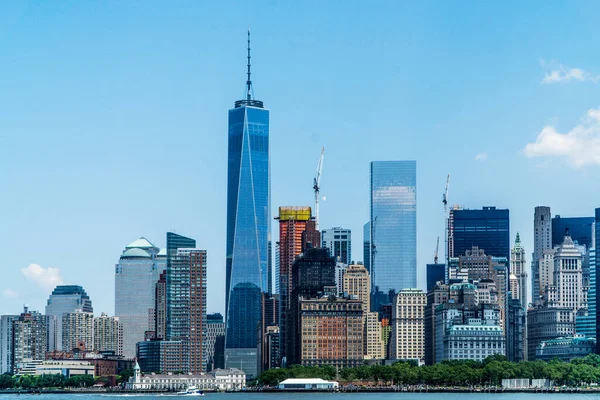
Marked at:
<point>218,380</point>
<point>408,325</point>
<point>374,346</point>
<point>475,341</point>
<point>65,367</point>
<point>517,268</point>
<point>307,384</point>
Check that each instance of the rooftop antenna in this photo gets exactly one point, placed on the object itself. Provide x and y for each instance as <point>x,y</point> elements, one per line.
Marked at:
<point>249,82</point>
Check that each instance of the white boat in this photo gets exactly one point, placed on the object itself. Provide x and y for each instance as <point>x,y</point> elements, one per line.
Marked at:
<point>191,391</point>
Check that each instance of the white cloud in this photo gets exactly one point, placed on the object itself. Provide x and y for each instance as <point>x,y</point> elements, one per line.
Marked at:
<point>580,146</point>
<point>46,278</point>
<point>559,73</point>
<point>481,157</point>
<point>10,293</point>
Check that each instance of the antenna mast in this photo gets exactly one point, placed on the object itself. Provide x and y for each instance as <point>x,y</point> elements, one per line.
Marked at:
<point>249,82</point>
<point>317,186</point>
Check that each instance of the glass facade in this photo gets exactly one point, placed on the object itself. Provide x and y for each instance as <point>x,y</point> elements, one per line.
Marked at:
<point>248,231</point>
<point>393,258</point>
<point>136,275</point>
<point>65,299</point>
<point>580,230</point>
<point>367,246</point>
<point>487,228</point>
<point>339,243</point>
<point>435,273</point>
<point>586,324</point>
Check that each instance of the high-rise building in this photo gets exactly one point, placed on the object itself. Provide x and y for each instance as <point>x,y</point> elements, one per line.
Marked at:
<point>393,229</point>
<point>108,334</point>
<point>186,306</point>
<point>215,338</point>
<point>367,246</point>
<point>270,318</point>
<point>340,270</point>
<point>6,349</point>
<point>516,333</point>
<point>65,299</point>
<point>517,268</point>
<point>579,228</point>
<point>293,222</point>
<point>487,229</point>
<point>272,347</point>
<point>408,329</point>
<point>542,242</point>
<point>160,308</point>
<point>435,296</point>
<point>339,242</point>
<point>596,240</point>
<point>435,273</point>
<point>248,227</point>
<point>28,339</point>
<point>78,331</point>
<point>374,341</point>
<point>136,275</point>
<point>586,324</point>
<point>357,283</point>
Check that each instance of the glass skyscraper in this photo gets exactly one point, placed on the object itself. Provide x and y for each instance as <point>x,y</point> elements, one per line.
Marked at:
<point>580,230</point>
<point>248,228</point>
<point>487,228</point>
<point>64,299</point>
<point>393,258</point>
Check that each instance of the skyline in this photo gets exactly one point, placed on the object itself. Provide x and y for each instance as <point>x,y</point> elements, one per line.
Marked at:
<point>91,144</point>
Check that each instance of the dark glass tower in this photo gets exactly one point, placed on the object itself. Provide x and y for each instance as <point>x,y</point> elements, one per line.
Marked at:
<point>487,228</point>
<point>580,230</point>
<point>248,228</point>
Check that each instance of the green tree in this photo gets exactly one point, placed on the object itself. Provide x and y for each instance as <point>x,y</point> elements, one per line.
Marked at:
<point>7,381</point>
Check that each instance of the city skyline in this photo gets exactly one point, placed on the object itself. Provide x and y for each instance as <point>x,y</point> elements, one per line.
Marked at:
<point>86,168</point>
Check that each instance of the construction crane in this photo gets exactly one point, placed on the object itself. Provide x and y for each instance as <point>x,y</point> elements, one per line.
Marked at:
<point>446,218</point>
<point>317,186</point>
<point>445,198</point>
<point>437,247</point>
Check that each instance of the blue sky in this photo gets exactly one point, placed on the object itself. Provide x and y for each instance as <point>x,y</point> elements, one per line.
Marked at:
<point>113,120</point>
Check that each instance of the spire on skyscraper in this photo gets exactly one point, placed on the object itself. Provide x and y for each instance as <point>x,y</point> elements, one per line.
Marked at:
<point>248,100</point>
<point>249,82</point>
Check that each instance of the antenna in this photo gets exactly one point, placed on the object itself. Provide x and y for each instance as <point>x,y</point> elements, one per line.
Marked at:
<point>249,82</point>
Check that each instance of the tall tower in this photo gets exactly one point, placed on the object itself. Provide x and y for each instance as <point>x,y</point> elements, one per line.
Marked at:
<point>517,268</point>
<point>393,229</point>
<point>542,241</point>
<point>248,227</point>
<point>65,299</point>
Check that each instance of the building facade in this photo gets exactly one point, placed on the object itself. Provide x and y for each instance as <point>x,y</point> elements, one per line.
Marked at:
<point>566,348</point>
<point>248,263</point>
<point>579,228</point>
<point>408,326</point>
<point>436,296</point>
<point>435,273</point>
<point>516,338</point>
<point>547,323</point>
<point>357,283</point>
<point>393,227</point>
<point>29,340</point>
<point>108,334</point>
<point>518,269</point>
<point>78,331</point>
<point>487,229</point>
<point>339,242</point>
<point>64,299</point>
<point>215,338</point>
<point>542,242</point>
<point>586,324</point>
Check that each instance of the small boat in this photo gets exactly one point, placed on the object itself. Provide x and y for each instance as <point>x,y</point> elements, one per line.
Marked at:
<point>191,391</point>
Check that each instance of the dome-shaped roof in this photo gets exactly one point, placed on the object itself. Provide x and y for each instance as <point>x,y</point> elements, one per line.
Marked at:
<point>135,253</point>
<point>141,243</point>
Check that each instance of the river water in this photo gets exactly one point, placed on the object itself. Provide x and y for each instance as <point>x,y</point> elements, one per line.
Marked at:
<point>320,396</point>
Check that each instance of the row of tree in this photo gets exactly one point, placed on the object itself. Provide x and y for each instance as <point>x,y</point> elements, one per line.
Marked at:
<point>491,371</point>
<point>45,381</point>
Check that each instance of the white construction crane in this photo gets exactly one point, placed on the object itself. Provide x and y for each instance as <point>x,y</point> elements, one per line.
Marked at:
<point>437,247</point>
<point>445,198</point>
<point>446,217</point>
<point>317,186</point>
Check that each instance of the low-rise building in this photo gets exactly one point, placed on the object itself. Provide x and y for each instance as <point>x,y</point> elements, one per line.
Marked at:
<point>307,384</point>
<point>565,348</point>
<point>474,341</point>
<point>67,368</point>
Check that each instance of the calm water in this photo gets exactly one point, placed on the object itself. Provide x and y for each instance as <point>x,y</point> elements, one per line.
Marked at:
<point>321,396</point>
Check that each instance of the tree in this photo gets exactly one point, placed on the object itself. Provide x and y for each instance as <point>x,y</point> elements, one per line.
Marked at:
<point>7,381</point>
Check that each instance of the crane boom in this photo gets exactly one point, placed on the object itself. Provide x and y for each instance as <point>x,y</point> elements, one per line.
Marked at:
<point>317,186</point>
<point>445,198</point>
<point>437,247</point>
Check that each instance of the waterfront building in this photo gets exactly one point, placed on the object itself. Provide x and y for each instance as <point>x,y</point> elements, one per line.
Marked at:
<point>330,332</point>
<point>248,263</point>
<point>219,380</point>
<point>408,329</point>
<point>435,273</point>
<point>162,356</point>
<point>136,274</point>
<point>6,349</point>
<point>339,242</point>
<point>487,229</point>
<point>546,323</point>
<point>29,340</point>
<point>542,242</point>
<point>565,348</point>
<point>374,341</point>
<point>67,368</point>
<point>435,296</point>
<point>78,331</point>
<point>215,338</point>
<point>64,299</point>
<point>518,269</point>
<point>108,334</point>
<point>516,338</point>
<point>186,305</point>
<point>393,229</point>
<point>307,384</point>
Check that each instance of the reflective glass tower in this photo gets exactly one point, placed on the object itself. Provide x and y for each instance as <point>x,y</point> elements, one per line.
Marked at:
<point>393,229</point>
<point>248,228</point>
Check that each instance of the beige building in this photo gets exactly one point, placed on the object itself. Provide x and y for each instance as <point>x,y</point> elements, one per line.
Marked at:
<point>374,346</point>
<point>358,283</point>
<point>108,334</point>
<point>408,329</point>
<point>78,331</point>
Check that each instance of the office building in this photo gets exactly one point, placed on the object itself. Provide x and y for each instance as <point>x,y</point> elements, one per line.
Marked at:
<point>393,229</point>
<point>435,273</point>
<point>269,319</point>
<point>136,274</point>
<point>547,323</point>
<point>565,349</point>
<point>78,331</point>
<point>339,242</point>
<point>248,263</point>
<point>6,349</point>
<point>313,276</point>
<point>186,305</point>
<point>108,334</point>
<point>518,269</point>
<point>160,307</point>
<point>64,299</point>
<point>436,296</point>
<point>215,339</point>
<point>542,246</point>
<point>340,270</point>
<point>293,222</point>
<point>367,246</point>
<point>29,340</point>
<point>162,356</point>
<point>487,229</point>
<point>516,339</point>
<point>374,341</point>
<point>330,332</point>
<point>408,329</point>
<point>357,283</point>
<point>579,228</point>
<point>586,324</point>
